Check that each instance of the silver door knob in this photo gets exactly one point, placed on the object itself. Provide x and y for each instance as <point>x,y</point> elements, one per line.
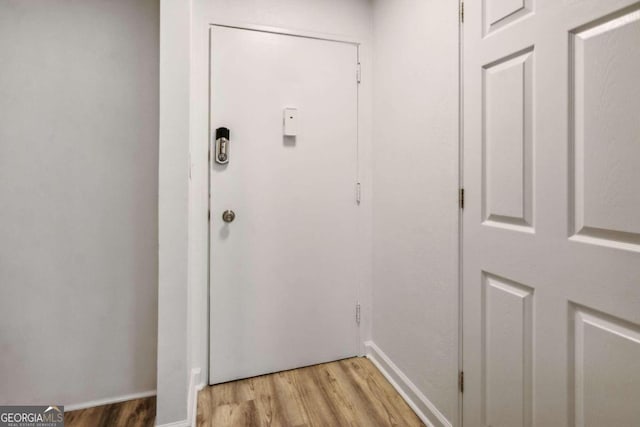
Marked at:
<point>228,215</point>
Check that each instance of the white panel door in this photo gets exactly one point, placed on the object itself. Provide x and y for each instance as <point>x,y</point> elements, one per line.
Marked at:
<point>551,222</point>
<point>283,276</point>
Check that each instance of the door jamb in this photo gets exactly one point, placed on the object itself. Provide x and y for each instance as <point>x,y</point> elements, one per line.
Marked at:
<point>460,210</point>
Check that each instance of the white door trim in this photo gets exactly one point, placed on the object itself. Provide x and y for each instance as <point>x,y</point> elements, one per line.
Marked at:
<point>460,206</point>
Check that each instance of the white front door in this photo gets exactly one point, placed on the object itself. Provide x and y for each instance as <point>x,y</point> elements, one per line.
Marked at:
<point>551,272</point>
<point>283,276</point>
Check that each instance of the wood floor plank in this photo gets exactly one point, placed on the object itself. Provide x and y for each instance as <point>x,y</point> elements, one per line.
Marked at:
<point>336,395</point>
<point>360,400</point>
<point>382,396</point>
<point>377,398</point>
<point>132,413</point>
<point>236,414</point>
<point>273,402</point>
<point>317,408</point>
<point>292,405</point>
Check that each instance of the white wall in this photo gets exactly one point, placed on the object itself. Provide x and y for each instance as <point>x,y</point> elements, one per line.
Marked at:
<point>78,199</point>
<point>415,178</point>
<point>173,209</point>
<point>351,19</point>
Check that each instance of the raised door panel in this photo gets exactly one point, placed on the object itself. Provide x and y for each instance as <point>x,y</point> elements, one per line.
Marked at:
<point>607,370</point>
<point>499,13</point>
<point>507,141</point>
<point>507,340</point>
<point>606,130</point>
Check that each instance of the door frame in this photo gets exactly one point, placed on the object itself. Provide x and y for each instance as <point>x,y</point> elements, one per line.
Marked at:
<point>460,211</point>
<point>362,174</point>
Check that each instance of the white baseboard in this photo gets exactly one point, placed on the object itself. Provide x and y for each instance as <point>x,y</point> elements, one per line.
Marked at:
<point>192,402</point>
<point>108,400</point>
<point>183,423</point>
<point>194,387</point>
<point>423,408</point>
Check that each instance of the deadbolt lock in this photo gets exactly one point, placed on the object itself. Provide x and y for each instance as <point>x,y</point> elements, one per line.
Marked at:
<point>228,215</point>
<point>221,155</point>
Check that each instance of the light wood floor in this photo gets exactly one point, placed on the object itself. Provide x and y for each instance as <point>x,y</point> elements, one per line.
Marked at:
<point>350,392</point>
<point>132,413</point>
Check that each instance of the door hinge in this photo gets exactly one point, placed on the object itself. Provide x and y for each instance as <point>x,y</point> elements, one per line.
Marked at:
<point>358,313</point>
<point>461,198</point>
<point>462,12</point>
<point>358,73</point>
<point>358,193</point>
<point>209,215</point>
<point>461,381</point>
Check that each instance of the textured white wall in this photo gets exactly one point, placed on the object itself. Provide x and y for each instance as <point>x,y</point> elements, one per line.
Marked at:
<point>415,216</point>
<point>78,199</point>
